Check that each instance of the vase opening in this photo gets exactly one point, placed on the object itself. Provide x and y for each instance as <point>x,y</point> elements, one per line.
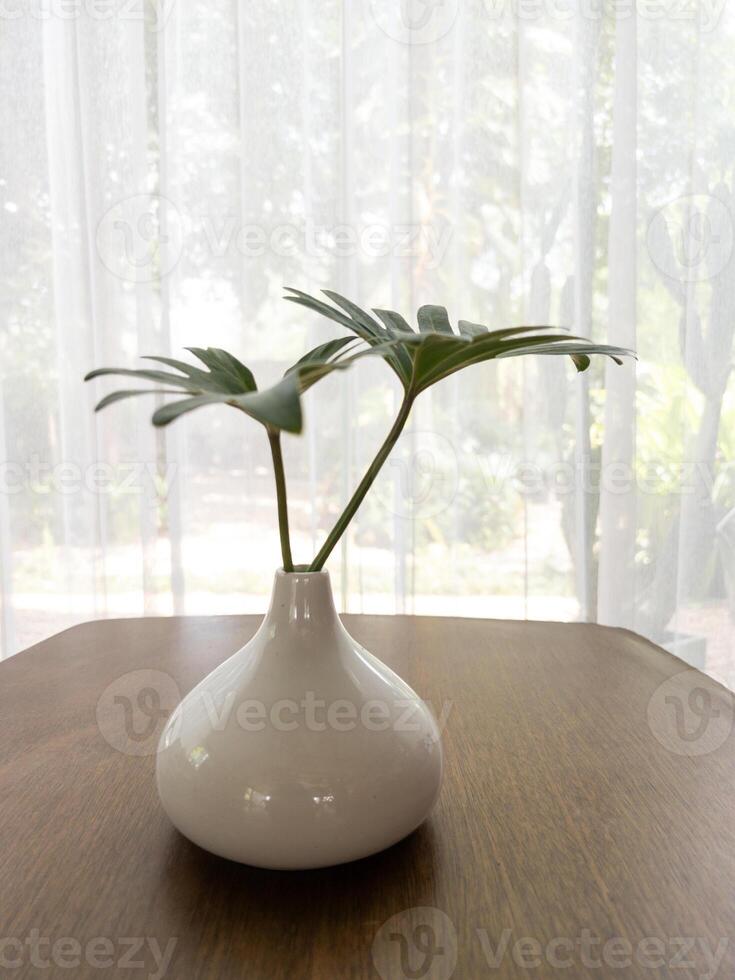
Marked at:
<point>302,599</point>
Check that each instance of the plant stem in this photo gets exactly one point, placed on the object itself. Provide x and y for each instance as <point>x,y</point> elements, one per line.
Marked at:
<point>367,481</point>
<point>274,438</point>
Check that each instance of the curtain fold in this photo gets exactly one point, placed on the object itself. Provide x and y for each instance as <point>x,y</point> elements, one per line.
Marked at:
<point>164,173</point>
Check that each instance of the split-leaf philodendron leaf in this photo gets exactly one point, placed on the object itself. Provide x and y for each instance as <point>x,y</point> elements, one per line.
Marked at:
<point>227,381</point>
<point>419,359</point>
<point>422,358</point>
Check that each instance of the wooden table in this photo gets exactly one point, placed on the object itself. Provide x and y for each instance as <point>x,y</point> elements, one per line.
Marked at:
<point>574,813</point>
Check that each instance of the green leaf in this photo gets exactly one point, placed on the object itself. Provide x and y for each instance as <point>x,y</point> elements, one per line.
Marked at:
<point>324,352</point>
<point>401,360</point>
<point>118,396</point>
<point>565,346</point>
<point>311,303</point>
<point>582,362</point>
<point>469,329</point>
<point>439,356</point>
<point>227,381</point>
<point>432,352</point>
<point>398,359</point>
<point>278,406</point>
<point>226,369</point>
<point>202,379</point>
<point>167,413</point>
<point>434,319</point>
<point>420,360</point>
<point>360,323</point>
<point>144,375</point>
<point>357,314</point>
<point>393,322</point>
<point>309,372</point>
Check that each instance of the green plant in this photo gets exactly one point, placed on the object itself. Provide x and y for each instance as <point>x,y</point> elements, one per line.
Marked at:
<point>419,360</point>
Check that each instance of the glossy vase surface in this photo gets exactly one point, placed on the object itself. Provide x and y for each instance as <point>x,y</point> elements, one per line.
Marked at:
<point>301,750</point>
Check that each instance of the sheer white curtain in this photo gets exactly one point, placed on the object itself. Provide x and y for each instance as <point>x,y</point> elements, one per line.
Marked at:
<point>165,168</point>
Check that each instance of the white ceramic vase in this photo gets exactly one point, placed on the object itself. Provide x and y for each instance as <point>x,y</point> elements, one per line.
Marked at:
<point>302,750</point>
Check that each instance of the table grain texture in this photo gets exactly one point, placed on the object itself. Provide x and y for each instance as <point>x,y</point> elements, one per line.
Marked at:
<point>570,818</point>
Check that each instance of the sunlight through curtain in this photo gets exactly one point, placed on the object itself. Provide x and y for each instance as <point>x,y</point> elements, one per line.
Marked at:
<point>166,168</point>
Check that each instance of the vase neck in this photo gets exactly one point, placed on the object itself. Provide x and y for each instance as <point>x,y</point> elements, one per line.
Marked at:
<point>302,600</point>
